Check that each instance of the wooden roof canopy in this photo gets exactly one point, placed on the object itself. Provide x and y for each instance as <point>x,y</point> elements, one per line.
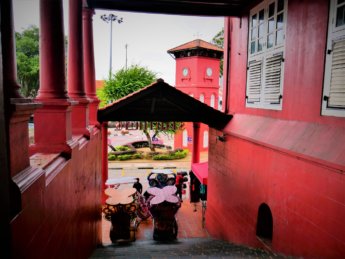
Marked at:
<point>182,7</point>
<point>162,102</point>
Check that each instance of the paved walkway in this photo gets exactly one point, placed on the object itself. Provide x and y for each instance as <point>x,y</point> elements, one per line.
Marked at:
<point>193,241</point>
<point>189,221</point>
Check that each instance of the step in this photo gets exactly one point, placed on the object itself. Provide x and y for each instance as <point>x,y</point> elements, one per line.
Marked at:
<point>182,248</point>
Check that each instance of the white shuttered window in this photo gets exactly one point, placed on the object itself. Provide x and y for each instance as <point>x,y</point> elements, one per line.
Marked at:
<point>334,82</point>
<point>265,68</point>
<point>272,85</point>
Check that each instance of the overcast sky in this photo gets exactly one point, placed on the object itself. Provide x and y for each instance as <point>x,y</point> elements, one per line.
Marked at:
<point>148,36</point>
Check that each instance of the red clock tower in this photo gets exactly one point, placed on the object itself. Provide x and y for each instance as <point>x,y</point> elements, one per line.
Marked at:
<point>197,74</point>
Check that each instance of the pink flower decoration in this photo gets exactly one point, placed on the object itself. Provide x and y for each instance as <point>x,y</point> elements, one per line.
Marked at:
<point>117,196</point>
<point>168,193</point>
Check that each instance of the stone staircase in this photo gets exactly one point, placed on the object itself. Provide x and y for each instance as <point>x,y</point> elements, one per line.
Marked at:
<point>183,248</point>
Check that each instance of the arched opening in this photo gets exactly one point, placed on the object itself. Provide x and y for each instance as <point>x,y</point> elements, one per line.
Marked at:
<point>264,225</point>
<point>185,138</point>
<point>213,100</point>
<point>205,139</point>
<point>202,98</point>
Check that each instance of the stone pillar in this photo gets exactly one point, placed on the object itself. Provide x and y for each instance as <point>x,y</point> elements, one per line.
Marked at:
<point>76,91</point>
<point>89,65</point>
<point>17,110</point>
<point>104,158</point>
<point>196,143</point>
<point>9,51</point>
<point>53,120</point>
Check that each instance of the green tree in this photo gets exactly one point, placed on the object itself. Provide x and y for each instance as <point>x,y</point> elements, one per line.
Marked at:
<point>27,49</point>
<point>127,81</point>
<point>218,40</point>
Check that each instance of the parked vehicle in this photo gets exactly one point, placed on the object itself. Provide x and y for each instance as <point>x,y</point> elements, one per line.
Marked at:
<point>161,178</point>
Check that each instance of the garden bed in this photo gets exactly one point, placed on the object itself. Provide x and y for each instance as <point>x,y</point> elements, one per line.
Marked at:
<point>145,153</point>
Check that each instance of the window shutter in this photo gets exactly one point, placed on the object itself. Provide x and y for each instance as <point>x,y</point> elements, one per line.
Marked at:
<point>272,86</point>
<point>254,81</point>
<point>337,85</point>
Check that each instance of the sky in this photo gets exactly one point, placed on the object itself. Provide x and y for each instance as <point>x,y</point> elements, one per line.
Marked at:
<point>148,37</point>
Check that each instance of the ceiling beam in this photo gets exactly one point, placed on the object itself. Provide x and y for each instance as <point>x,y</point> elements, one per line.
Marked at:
<point>180,7</point>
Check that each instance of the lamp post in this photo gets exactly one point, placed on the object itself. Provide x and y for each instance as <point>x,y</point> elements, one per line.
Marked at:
<point>111,18</point>
<point>126,46</point>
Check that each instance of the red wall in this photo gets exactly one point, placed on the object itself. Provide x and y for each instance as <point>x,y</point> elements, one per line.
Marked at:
<point>293,160</point>
<point>197,67</point>
<point>306,199</point>
<point>178,138</point>
<point>61,204</point>
<point>197,83</point>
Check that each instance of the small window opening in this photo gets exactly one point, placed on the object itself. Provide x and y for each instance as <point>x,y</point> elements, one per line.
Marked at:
<point>264,226</point>
<point>31,130</point>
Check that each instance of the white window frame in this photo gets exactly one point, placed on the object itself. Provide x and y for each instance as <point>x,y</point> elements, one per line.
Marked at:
<point>205,139</point>
<point>213,100</point>
<point>263,56</point>
<point>185,138</point>
<point>335,34</point>
<point>202,98</point>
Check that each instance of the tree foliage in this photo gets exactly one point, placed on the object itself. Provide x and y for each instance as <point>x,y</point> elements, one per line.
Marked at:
<point>127,81</point>
<point>218,40</point>
<point>27,49</point>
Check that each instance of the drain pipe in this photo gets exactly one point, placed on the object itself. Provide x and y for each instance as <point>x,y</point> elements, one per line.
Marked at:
<point>226,80</point>
<point>104,131</point>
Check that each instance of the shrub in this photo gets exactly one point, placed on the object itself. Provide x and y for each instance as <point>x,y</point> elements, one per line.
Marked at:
<point>137,156</point>
<point>181,154</point>
<point>178,154</point>
<point>122,148</point>
<point>111,157</point>
<point>124,157</point>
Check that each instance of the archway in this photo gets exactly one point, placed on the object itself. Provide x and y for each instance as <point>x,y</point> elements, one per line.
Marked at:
<point>264,225</point>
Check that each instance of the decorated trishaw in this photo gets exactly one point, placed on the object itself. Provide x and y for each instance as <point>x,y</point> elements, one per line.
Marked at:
<point>125,208</point>
<point>163,204</point>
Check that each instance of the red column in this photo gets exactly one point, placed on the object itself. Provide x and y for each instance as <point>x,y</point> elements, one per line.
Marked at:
<point>89,65</point>
<point>104,158</point>
<point>196,143</point>
<point>80,111</point>
<point>11,88</point>
<point>53,120</point>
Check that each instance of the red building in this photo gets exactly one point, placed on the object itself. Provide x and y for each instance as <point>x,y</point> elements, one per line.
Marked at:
<point>197,74</point>
<point>276,170</point>
<point>278,180</point>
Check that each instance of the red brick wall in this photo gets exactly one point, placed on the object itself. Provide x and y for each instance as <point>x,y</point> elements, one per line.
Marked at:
<point>61,210</point>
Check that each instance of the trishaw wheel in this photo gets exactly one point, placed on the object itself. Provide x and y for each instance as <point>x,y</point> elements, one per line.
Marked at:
<point>175,229</point>
<point>132,235</point>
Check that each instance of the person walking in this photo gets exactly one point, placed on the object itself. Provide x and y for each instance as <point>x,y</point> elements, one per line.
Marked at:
<point>178,184</point>
<point>137,185</point>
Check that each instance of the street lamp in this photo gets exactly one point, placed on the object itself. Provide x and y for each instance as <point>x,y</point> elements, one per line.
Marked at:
<point>111,18</point>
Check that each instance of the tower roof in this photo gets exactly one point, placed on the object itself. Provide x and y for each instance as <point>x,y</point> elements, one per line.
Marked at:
<point>197,47</point>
